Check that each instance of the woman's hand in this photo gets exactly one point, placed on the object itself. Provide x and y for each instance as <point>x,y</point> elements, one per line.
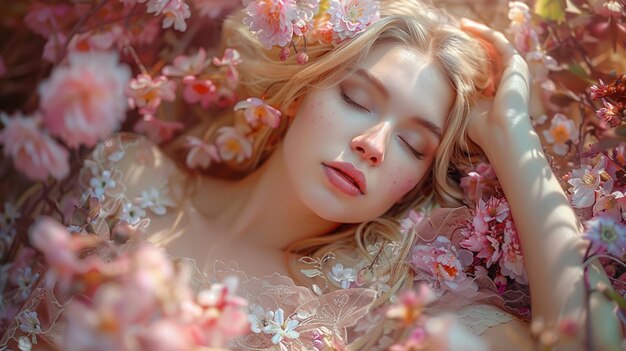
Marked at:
<point>507,108</point>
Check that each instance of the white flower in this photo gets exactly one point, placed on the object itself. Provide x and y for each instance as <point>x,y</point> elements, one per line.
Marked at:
<point>259,319</point>
<point>281,328</point>
<point>7,219</point>
<point>24,344</point>
<point>29,323</point>
<point>25,280</point>
<point>585,182</point>
<point>341,275</point>
<point>155,200</point>
<point>99,184</point>
<point>562,130</point>
<point>133,213</point>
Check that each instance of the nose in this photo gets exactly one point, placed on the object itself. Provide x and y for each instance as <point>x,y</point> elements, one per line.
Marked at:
<point>371,144</point>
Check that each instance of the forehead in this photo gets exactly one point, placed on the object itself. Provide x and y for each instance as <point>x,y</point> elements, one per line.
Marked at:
<point>416,84</point>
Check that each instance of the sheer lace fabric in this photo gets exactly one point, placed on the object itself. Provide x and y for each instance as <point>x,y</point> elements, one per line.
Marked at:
<point>343,313</point>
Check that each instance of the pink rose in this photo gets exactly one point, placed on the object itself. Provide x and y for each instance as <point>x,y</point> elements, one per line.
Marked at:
<point>84,102</point>
<point>34,153</point>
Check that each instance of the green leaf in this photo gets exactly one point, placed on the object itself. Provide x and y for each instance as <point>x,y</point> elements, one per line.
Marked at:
<point>551,9</point>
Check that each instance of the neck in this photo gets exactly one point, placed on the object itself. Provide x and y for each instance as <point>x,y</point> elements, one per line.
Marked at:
<point>263,209</point>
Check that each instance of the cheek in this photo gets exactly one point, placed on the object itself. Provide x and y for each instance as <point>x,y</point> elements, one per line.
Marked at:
<point>403,180</point>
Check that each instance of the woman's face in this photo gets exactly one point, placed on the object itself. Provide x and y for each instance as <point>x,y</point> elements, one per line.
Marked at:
<point>356,148</point>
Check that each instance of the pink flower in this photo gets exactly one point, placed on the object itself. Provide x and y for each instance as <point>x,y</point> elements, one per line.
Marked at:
<point>485,244</point>
<point>486,212</point>
<point>232,144</point>
<point>609,115</point>
<point>606,235</point>
<point>411,221</point>
<point>101,40</point>
<point>34,153</point>
<point>519,14</point>
<point>200,153</point>
<point>598,91</point>
<point>350,17</point>
<point>147,93</point>
<point>271,20</point>
<point>229,62</point>
<point>512,259</point>
<point>442,267</point>
<point>411,304</point>
<point>187,65</point>
<point>142,33</point>
<point>255,111</point>
<point>417,340</point>
<point>199,90</point>
<point>562,130</point>
<point>471,185</point>
<point>53,47</point>
<point>156,130</point>
<point>612,205</point>
<point>84,102</point>
<point>175,11</point>
<point>225,97</point>
<point>585,182</point>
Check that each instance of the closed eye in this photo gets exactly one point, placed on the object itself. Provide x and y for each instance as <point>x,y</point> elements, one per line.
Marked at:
<point>417,154</point>
<point>351,102</point>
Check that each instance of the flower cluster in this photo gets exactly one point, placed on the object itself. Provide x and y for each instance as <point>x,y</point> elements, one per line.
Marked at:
<point>137,298</point>
<point>283,22</point>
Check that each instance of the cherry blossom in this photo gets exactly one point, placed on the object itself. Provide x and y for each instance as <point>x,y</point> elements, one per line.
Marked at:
<point>133,213</point>
<point>147,93</point>
<point>562,130</point>
<point>199,90</point>
<point>350,17</point>
<point>84,102</point>
<point>175,11</point>
<point>187,65</point>
<point>256,111</point>
<point>411,304</point>
<point>512,260</point>
<point>612,205</point>
<point>48,19</point>
<point>101,40</point>
<point>34,152</point>
<point>270,20</point>
<point>156,200</point>
<point>200,153</point>
<point>606,235</point>
<point>232,144</point>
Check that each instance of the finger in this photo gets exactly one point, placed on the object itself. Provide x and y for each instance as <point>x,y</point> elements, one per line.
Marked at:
<point>497,39</point>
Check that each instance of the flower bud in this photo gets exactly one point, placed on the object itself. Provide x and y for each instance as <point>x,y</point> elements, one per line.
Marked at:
<point>122,231</point>
<point>302,58</point>
<point>284,53</point>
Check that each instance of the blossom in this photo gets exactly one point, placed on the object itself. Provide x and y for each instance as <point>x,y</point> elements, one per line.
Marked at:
<point>132,213</point>
<point>25,281</point>
<point>156,130</point>
<point>519,14</point>
<point>585,182</point>
<point>156,200</point>
<point>100,183</point>
<point>53,47</point>
<point>562,130</point>
<point>606,234</point>
<point>281,328</point>
<point>34,152</point>
<point>612,205</point>
<point>147,93</point>
<point>512,260</point>
<point>175,11</point>
<point>228,63</point>
<point>609,114</point>
<point>200,153</point>
<point>255,111</point>
<point>8,216</point>
<point>350,17</point>
<point>101,40</point>
<point>341,275</point>
<point>187,65</point>
<point>46,19</point>
<point>598,91</point>
<point>411,304</point>
<point>270,20</point>
<point>29,323</point>
<point>411,221</point>
<point>199,90</point>
<point>442,266</point>
<point>493,209</point>
<point>84,102</point>
<point>259,319</point>
<point>232,144</point>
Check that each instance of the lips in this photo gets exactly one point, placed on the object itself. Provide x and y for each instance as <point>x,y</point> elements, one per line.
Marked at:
<point>346,177</point>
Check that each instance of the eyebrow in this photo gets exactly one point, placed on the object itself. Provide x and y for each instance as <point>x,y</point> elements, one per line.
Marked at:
<point>378,84</point>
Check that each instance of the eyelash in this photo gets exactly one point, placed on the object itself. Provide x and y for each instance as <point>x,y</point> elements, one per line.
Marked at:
<point>417,154</point>
<point>348,100</point>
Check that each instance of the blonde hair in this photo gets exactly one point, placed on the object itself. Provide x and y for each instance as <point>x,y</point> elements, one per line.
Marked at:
<point>406,22</point>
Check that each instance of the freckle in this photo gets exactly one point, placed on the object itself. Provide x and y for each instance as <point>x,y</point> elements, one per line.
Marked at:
<point>394,182</point>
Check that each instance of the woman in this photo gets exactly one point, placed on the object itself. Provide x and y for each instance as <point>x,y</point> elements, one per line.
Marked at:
<point>376,125</point>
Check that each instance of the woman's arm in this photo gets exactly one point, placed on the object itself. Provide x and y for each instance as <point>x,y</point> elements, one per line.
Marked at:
<point>548,229</point>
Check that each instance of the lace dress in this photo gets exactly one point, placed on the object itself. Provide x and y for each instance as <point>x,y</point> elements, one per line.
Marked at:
<point>133,181</point>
